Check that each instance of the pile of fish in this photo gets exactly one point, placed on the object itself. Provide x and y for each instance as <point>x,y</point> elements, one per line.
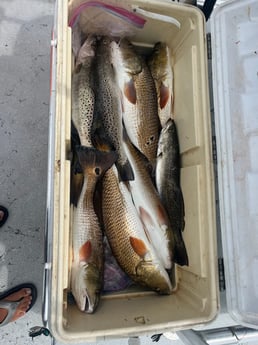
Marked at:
<point>125,181</point>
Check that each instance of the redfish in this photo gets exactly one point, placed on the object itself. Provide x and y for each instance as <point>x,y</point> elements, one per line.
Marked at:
<point>140,111</point>
<point>127,238</point>
<point>87,265</point>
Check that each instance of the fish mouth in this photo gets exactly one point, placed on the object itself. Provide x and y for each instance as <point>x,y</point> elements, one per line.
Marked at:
<point>90,303</point>
<point>154,277</point>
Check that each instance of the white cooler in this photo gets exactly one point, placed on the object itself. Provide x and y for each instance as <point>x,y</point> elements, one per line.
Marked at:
<point>219,182</point>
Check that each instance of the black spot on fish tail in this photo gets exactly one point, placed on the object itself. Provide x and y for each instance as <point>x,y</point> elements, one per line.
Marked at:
<point>125,171</point>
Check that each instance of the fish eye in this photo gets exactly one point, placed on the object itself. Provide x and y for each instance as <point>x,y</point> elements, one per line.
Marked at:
<point>97,171</point>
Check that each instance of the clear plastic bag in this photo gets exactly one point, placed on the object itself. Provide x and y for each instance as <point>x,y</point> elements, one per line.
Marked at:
<point>100,18</point>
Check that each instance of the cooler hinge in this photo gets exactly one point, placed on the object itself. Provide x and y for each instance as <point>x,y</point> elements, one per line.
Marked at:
<point>222,281</point>
<point>214,149</point>
<point>209,51</point>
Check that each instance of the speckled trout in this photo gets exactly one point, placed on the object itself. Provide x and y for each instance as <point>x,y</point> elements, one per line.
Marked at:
<point>108,107</point>
<point>168,185</point>
<point>83,97</point>
<point>160,66</point>
<point>139,97</point>
<point>87,265</point>
<point>127,237</point>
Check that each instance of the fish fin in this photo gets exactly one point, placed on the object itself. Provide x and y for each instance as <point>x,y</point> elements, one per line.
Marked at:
<point>182,204</point>
<point>125,171</point>
<point>77,169</point>
<point>138,246</point>
<point>130,91</point>
<point>163,96</point>
<point>76,188</point>
<point>145,216</point>
<point>74,135</point>
<point>76,180</point>
<point>94,161</point>
<point>179,208</point>
<point>180,253</point>
<point>85,251</point>
<point>162,215</point>
<point>147,221</point>
<point>97,202</point>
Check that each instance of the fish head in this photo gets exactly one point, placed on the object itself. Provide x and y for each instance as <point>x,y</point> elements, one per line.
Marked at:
<point>159,61</point>
<point>168,137</point>
<point>86,53</point>
<point>103,49</point>
<point>154,276</point>
<point>103,45</point>
<point>123,54</point>
<point>87,284</point>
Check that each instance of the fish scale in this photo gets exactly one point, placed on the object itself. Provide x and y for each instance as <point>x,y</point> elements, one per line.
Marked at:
<point>125,219</point>
<point>147,114</point>
<point>86,224</point>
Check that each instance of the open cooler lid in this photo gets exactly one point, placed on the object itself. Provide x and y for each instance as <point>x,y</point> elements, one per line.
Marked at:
<point>234,30</point>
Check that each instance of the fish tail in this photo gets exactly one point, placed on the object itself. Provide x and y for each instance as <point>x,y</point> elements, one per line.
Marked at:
<point>100,140</point>
<point>180,253</point>
<point>104,144</point>
<point>125,171</point>
<point>172,275</point>
<point>74,135</point>
<point>94,161</point>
